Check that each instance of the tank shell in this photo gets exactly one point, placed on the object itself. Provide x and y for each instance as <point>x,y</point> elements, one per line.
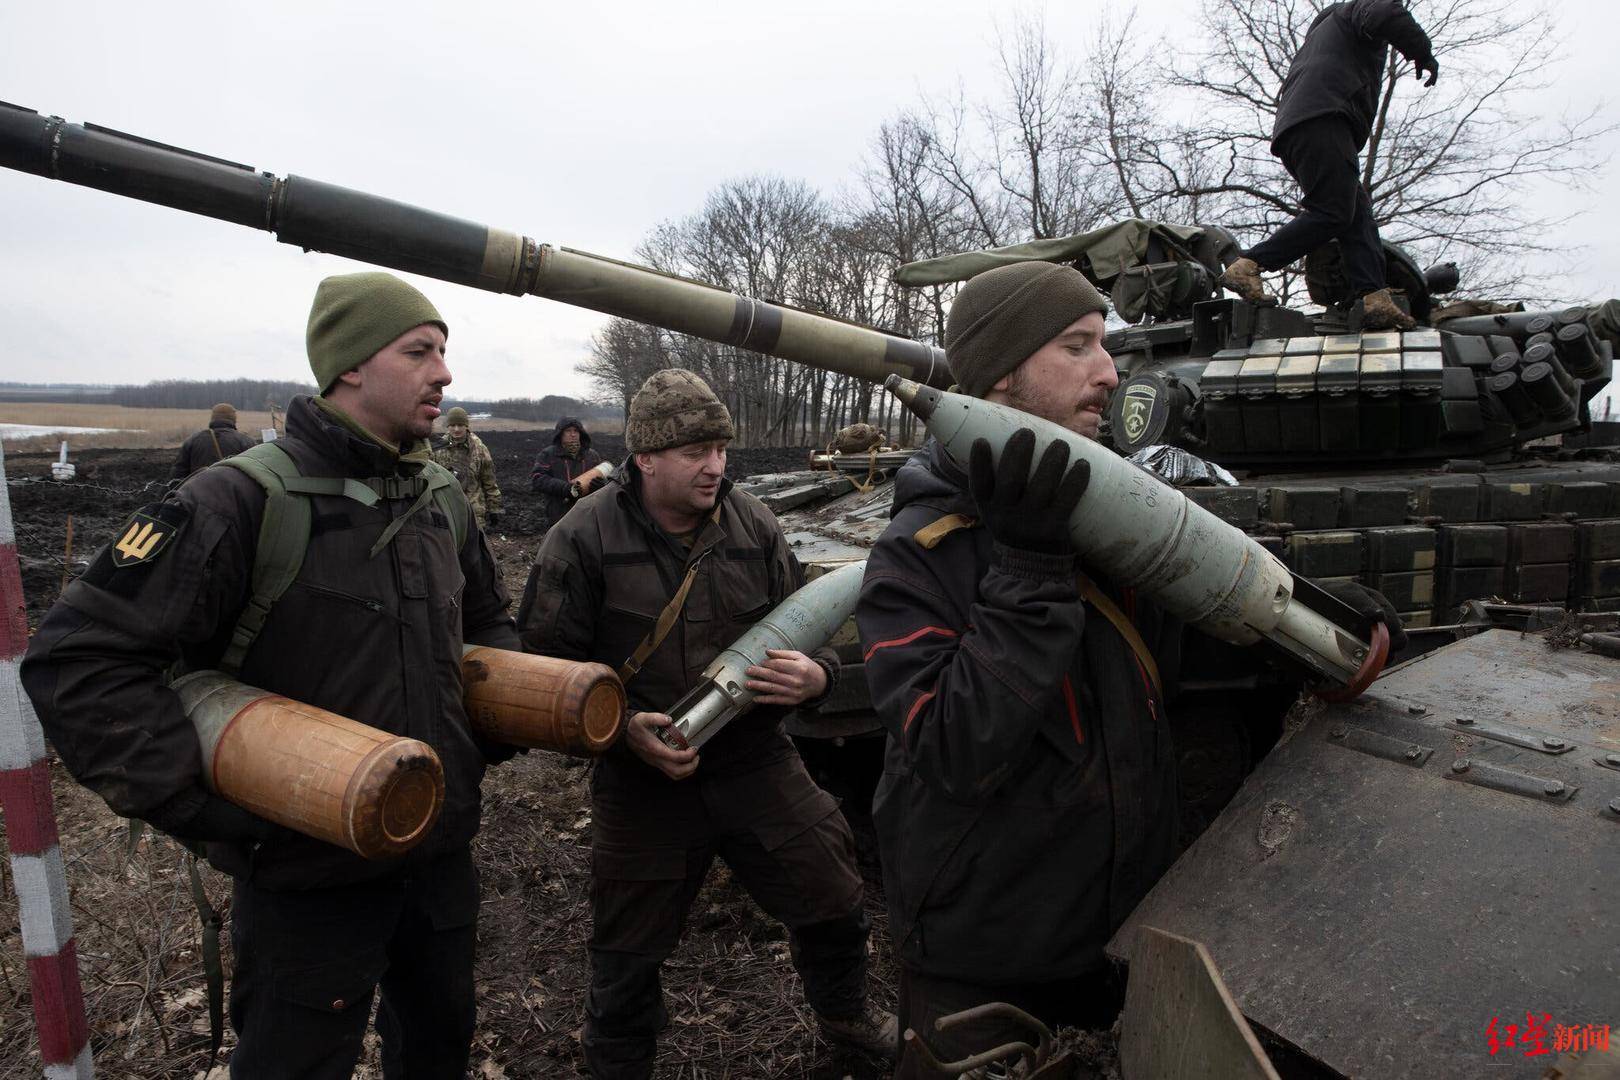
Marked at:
<point>313,771</point>
<point>541,702</point>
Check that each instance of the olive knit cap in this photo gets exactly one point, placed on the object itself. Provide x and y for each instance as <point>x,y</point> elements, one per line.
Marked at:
<point>1002,316</point>
<point>355,315</point>
<point>675,407</point>
<point>223,411</point>
<point>455,416</point>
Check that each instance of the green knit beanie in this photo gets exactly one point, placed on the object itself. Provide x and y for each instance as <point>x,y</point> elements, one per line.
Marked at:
<point>1002,316</point>
<point>456,415</point>
<point>355,315</point>
<point>675,407</point>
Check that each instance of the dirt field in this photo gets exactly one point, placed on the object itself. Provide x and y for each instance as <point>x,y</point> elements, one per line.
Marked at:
<point>734,997</point>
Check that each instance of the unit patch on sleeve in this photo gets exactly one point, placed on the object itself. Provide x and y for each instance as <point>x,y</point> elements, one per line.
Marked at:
<point>144,536</point>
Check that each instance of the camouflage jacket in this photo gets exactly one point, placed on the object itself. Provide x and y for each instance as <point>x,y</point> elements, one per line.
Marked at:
<point>475,468</point>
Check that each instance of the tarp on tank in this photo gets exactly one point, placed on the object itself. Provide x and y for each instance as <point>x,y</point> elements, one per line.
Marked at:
<point>1102,253</point>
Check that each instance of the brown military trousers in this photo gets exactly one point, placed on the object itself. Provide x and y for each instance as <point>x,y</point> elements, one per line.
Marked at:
<point>653,841</point>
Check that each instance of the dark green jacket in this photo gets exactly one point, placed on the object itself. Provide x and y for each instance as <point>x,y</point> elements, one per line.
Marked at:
<point>377,640</point>
<point>218,441</point>
<point>606,571</point>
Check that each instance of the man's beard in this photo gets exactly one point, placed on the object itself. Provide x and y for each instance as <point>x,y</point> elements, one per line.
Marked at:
<point>1024,395</point>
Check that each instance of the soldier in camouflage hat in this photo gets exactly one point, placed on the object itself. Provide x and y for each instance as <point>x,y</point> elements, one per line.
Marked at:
<point>466,456</point>
<point>674,407</point>
<point>611,573</point>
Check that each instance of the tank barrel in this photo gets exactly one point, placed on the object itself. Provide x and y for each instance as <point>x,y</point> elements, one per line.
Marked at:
<point>1142,532</point>
<point>318,216</point>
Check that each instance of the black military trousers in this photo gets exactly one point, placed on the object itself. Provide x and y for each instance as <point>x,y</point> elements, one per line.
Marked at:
<point>306,964</point>
<point>1322,155</point>
<point>1088,1001</point>
<point>652,844</point>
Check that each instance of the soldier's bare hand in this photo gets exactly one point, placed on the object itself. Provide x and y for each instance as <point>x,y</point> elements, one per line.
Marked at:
<point>787,677</point>
<point>642,735</point>
<point>586,482</point>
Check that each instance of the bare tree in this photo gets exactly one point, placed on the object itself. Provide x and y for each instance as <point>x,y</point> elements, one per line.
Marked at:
<point>622,354</point>
<point>1449,169</point>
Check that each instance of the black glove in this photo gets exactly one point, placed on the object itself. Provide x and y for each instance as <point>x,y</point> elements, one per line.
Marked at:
<point>1432,66</point>
<point>212,819</point>
<point>1030,513</point>
<point>491,519</point>
<point>1369,604</point>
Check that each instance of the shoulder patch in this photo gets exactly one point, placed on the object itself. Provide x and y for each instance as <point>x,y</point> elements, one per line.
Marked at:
<point>147,534</point>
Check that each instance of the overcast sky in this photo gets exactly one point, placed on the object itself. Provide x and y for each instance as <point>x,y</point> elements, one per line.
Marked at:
<point>582,125</point>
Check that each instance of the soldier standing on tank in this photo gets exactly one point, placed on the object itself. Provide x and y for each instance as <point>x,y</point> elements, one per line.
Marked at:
<point>1028,797</point>
<point>669,542</point>
<point>469,461</point>
<point>1325,113</point>
<point>372,629</point>
<point>558,470</point>
<point>218,441</point>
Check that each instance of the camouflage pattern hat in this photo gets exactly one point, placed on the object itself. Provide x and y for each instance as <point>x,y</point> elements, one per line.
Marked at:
<point>675,407</point>
<point>455,416</point>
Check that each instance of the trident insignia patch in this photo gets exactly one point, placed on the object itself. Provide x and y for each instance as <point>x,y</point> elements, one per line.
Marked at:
<point>144,537</point>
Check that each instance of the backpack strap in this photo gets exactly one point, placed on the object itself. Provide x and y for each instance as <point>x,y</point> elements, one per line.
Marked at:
<point>1126,629</point>
<point>435,483</point>
<point>284,530</point>
<point>672,610</point>
<point>450,499</point>
<point>931,534</point>
<point>283,537</point>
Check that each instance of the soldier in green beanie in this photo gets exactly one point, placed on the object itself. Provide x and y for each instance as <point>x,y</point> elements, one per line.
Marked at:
<point>393,578</point>
<point>471,463</point>
<point>609,575</point>
<point>1030,335</point>
<point>1028,798</point>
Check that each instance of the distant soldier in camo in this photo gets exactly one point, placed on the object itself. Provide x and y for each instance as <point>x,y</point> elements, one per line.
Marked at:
<point>465,455</point>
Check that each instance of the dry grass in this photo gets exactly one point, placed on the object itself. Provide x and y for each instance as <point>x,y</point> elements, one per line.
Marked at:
<point>132,427</point>
<point>143,428</point>
<point>736,1004</point>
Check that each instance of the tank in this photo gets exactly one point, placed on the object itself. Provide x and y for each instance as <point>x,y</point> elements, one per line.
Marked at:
<point>1450,465</point>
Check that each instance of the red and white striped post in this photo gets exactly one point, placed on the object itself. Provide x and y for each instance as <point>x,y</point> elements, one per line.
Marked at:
<point>30,817</point>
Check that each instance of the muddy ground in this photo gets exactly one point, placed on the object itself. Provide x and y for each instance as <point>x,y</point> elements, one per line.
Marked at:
<point>734,997</point>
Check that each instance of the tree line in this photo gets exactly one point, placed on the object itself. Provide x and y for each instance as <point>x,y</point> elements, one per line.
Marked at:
<point>260,394</point>
<point>1074,138</point>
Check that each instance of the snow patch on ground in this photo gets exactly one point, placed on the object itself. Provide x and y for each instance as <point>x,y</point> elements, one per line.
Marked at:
<point>29,431</point>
